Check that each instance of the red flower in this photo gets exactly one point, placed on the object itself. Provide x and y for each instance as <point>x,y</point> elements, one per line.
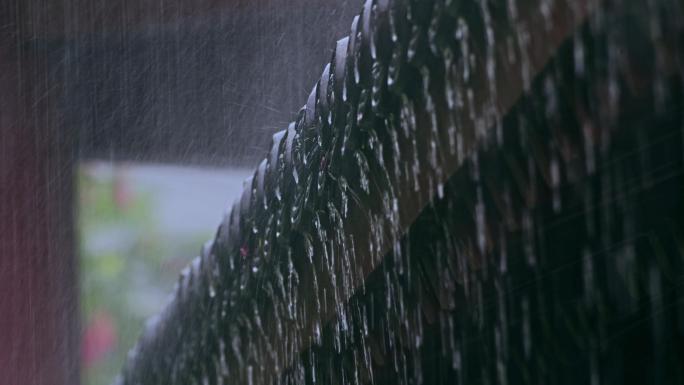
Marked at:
<point>99,338</point>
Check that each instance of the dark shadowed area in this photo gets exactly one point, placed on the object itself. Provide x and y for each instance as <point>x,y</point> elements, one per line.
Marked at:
<point>194,86</point>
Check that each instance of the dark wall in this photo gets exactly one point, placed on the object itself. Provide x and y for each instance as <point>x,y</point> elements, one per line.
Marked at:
<point>207,88</point>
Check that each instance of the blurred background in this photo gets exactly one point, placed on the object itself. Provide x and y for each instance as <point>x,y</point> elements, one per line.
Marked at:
<point>126,128</point>
<point>139,225</point>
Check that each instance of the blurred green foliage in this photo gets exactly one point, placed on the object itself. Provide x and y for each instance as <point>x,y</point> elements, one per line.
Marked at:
<point>128,268</point>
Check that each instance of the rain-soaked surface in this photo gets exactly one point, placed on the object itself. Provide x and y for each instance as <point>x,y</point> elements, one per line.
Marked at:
<point>473,192</point>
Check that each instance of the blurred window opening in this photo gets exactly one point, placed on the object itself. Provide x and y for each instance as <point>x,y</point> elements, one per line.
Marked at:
<point>139,225</point>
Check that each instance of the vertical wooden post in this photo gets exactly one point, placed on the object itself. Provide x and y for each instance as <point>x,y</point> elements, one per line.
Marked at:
<point>38,282</point>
